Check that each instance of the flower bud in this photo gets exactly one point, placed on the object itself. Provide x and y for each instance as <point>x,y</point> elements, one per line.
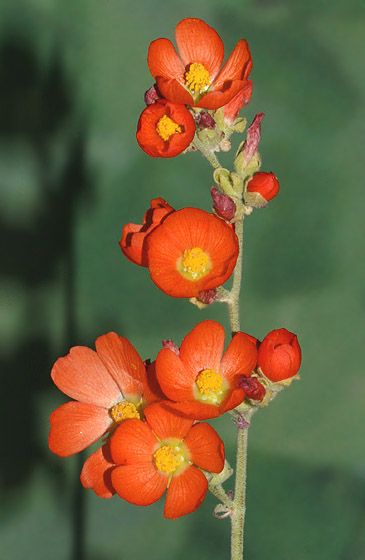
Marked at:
<point>279,355</point>
<point>223,205</point>
<point>230,183</point>
<point>247,159</point>
<point>205,120</point>
<point>261,188</point>
<point>170,344</point>
<point>207,296</point>
<point>151,95</point>
<point>252,387</point>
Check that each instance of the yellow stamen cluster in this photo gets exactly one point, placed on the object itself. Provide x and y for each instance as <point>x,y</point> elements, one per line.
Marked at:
<point>124,410</point>
<point>166,128</point>
<point>210,385</point>
<point>197,78</point>
<point>195,263</point>
<point>168,458</point>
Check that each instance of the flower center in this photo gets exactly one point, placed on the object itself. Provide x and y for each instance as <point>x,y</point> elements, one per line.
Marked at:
<point>168,458</point>
<point>124,410</point>
<point>197,78</point>
<point>195,263</point>
<point>210,386</point>
<point>166,128</point>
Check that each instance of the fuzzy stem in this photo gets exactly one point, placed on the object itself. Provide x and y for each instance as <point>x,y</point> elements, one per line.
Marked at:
<point>239,509</point>
<point>233,303</point>
<point>208,154</point>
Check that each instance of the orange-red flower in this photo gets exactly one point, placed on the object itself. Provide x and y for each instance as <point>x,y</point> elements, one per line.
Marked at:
<point>164,453</point>
<point>279,355</point>
<point>192,250</point>
<point>109,386</point>
<point>194,75</point>
<point>165,129</point>
<point>203,381</point>
<point>133,238</point>
<point>96,472</point>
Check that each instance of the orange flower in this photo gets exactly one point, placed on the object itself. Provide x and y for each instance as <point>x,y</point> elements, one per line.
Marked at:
<point>96,472</point>
<point>165,129</point>
<point>165,452</point>
<point>191,251</point>
<point>203,381</point>
<point>193,76</point>
<point>133,238</point>
<point>108,386</point>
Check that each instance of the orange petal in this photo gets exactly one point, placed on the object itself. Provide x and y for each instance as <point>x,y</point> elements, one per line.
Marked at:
<point>132,242</point>
<point>234,399</point>
<point>206,448</point>
<point>132,442</point>
<point>185,493</point>
<point>152,390</point>
<point>123,362</point>
<point>218,97</point>
<point>198,42</point>
<point>96,473</point>
<point>203,347</point>
<point>82,376</point>
<point>237,66</point>
<point>175,379</point>
<point>174,91</point>
<point>75,426</point>
<point>163,60</point>
<point>165,423</point>
<point>195,410</point>
<point>139,484</point>
<point>184,229</point>
<point>240,358</point>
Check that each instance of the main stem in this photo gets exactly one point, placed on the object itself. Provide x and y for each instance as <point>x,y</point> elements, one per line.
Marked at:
<point>239,502</point>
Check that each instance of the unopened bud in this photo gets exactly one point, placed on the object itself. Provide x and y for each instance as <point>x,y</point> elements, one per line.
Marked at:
<point>252,387</point>
<point>223,205</point>
<point>151,95</point>
<point>205,120</point>
<point>207,296</point>
<point>261,188</point>
<point>247,159</point>
<point>170,344</point>
<point>230,183</point>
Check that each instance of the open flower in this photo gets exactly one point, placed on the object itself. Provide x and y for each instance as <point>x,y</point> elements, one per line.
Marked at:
<point>203,381</point>
<point>192,250</point>
<point>133,238</point>
<point>164,453</point>
<point>194,76</point>
<point>109,386</point>
<point>165,129</point>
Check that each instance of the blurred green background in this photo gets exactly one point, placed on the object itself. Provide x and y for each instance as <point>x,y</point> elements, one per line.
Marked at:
<point>72,77</point>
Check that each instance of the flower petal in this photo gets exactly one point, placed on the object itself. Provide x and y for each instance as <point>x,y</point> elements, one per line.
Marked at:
<point>195,410</point>
<point>198,42</point>
<point>163,60</point>
<point>185,493</point>
<point>174,91</point>
<point>175,379</point>
<point>237,66</point>
<point>82,376</point>
<point>206,448</point>
<point>132,442</point>
<point>202,348</point>
<point>152,390</point>
<point>234,399</point>
<point>218,97</point>
<point>75,426</point>
<point>96,473</point>
<point>139,484</point>
<point>123,362</point>
<point>165,423</point>
<point>240,358</point>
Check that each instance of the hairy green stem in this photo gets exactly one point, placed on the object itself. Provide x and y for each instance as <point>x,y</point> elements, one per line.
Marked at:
<point>208,154</point>
<point>234,300</point>
<point>239,508</point>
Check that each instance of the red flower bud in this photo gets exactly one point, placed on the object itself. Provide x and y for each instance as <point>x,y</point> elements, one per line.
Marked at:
<point>253,138</point>
<point>252,387</point>
<point>151,95</point>
<point>207,296</point>
<point>279,355</point>
<point>223,205</point>
<point>264,184</point>
<point>205,120</point>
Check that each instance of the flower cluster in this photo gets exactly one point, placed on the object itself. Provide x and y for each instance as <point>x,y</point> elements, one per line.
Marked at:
<point>148,416</point>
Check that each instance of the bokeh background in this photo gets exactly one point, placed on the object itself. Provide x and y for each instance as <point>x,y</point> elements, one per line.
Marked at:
<point>72,77</point>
